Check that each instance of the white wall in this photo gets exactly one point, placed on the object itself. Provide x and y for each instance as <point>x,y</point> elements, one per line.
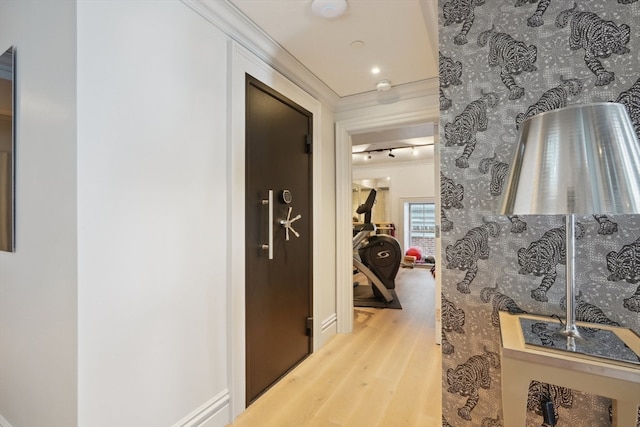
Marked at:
<point>152,236</point>
<point>114,309</point>
<point>407,181</point>
<point>38,282</point>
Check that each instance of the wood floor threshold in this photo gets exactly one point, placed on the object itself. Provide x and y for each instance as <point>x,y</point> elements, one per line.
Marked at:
<point>387,373</point>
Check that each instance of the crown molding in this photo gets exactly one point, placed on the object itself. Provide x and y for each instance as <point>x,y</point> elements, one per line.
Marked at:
<point>226,17</point>
<point>421,89</point>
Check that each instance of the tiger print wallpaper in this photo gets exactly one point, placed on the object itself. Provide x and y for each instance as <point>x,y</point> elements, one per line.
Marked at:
<point>502,61</point>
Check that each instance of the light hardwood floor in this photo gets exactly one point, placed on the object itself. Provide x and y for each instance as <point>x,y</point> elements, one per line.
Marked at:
<point>387,373</point>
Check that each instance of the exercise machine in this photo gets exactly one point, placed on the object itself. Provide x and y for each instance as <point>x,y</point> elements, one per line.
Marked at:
<point>377,256</point>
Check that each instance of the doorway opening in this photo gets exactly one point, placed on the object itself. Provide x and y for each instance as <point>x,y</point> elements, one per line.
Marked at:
<point>345,131</point>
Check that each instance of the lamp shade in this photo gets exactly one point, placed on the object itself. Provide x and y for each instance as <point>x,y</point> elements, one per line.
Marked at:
<point>581,159</point>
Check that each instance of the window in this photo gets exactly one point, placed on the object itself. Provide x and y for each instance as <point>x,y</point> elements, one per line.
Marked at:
<point>420,227</point>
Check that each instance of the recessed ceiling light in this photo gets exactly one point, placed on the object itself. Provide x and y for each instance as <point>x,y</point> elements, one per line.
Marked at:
<point>357,44</point>
<point>375,70</point>
<point>329,8</point>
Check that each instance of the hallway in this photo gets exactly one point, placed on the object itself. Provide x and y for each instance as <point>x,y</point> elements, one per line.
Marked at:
<point>387,373</point>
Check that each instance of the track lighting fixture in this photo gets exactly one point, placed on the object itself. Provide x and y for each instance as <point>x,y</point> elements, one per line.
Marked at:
<point>391,152</point>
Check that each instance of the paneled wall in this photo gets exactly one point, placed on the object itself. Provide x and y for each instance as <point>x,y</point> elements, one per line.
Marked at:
<point>500,62</point>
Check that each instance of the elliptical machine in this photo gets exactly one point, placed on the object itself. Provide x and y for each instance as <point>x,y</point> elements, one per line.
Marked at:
<point>377,256</point>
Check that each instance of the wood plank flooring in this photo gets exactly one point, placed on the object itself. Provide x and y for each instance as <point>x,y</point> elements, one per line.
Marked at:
<point>387,373</point>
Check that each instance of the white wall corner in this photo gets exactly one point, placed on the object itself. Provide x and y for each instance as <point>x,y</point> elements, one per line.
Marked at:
<point>4,422</point>
<point>213,413</point>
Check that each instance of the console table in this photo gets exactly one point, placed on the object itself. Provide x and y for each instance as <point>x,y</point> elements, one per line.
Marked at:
<point>522,364</point>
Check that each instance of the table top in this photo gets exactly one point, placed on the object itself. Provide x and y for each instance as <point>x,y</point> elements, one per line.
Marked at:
<point>513,346</point>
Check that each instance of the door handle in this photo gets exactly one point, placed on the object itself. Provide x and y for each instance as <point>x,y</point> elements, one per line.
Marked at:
<point>286,223</point>
<point>269,203</point>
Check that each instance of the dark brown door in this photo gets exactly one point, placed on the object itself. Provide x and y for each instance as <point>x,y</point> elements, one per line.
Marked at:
<point>278,273</point>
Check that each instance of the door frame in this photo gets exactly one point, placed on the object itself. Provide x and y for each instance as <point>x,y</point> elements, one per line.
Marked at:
<point>406,115</point>
<point>242,62</point>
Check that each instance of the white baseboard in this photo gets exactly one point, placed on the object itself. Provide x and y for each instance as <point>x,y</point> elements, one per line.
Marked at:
<point>329,322</point>
<point>213,413</point>
<point>3,422</point>
<point>328,329</point>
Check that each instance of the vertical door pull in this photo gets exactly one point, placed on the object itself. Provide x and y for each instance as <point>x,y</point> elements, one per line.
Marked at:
<point>269,203</point>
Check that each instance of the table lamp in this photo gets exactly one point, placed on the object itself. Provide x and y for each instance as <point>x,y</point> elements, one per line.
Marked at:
<point>579,160</point>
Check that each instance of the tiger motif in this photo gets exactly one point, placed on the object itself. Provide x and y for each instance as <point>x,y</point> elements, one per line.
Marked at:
<point>466,252</point>
<point>535,20</point>
<point>586,312</point>
<point>460,12</point>
<point>466,379</point>
<point>540,393</point>
<point>633,302</point>
<point>445,223</point>
<point>499,172</point>
<point>499,302</point>
<point>598,38</point>
<point>492,422</point>
<point>511,55</point>
<point>445,103</point>
<point>451,195</point>
<point>542,257</point>
<point>541,330</point>
<point>631,100</point>
<point>445,344</point>
<point>625,265</point>
<point>517,224</point>
<point>450,73</point>
<point>445,423</point>
<point>452,321</point>
<point>552,99</point>
<point>462,131</point>
<point>606,225</point>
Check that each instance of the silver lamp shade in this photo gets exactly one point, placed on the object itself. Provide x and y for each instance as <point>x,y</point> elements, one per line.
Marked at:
<point>581,159</point>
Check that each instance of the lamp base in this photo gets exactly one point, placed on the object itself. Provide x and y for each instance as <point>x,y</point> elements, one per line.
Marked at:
<point>589,341</point>
<point>570,334</point>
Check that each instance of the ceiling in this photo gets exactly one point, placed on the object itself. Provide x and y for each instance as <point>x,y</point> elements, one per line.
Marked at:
<point>399,37</point>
